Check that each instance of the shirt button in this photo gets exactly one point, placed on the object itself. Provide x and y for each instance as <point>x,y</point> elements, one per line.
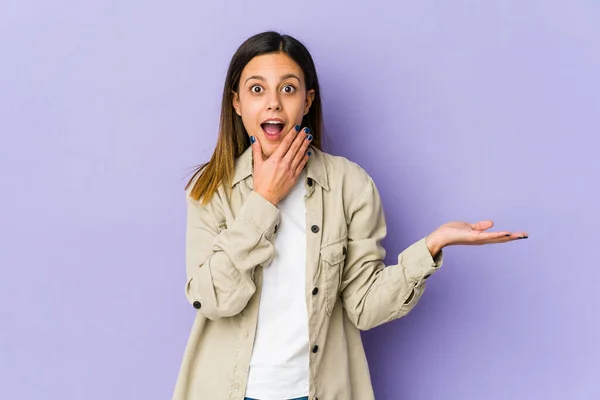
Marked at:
<point>315,348</point>
<point>197,305</point>
<point>315,291</point>
<point>314,229</point>
<point>309,181</point>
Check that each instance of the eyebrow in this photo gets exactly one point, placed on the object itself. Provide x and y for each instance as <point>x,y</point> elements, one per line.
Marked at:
<point>262,78</point>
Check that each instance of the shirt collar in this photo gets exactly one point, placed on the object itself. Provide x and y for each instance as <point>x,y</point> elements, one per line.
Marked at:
<point>315,167</point>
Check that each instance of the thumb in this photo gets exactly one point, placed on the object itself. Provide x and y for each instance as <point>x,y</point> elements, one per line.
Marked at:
<point>256,150</point>
<point>482,225</point>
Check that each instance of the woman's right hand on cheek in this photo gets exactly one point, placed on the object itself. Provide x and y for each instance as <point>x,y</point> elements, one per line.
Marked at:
<point>275,176</point>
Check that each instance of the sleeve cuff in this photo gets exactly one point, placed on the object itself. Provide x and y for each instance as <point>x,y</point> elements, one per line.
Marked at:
<point>261,214</point>
<point>418,262</point>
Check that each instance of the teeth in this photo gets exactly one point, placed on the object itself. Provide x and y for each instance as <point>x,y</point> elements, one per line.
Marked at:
<point>274,122</point>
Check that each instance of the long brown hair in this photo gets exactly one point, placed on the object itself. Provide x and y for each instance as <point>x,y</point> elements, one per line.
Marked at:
<point>233,139</point>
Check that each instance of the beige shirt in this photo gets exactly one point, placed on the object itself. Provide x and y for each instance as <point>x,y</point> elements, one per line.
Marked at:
<point>348,287</point>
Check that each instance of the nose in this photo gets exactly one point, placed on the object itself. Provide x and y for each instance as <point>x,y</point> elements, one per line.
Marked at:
<point>273,102</point>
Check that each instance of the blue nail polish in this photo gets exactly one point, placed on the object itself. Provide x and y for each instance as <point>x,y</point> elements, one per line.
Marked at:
<point>309,137</point>
<point>252,139</point>
<point>307,130</point>
<point>308,153</point>
<point>297,128</point>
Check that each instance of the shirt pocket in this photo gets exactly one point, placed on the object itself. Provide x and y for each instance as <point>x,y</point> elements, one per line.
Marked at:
<point>333,257</point>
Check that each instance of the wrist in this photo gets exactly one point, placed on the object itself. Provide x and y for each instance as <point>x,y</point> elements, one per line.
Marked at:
<point>434,244</point>
<point>270,199</point>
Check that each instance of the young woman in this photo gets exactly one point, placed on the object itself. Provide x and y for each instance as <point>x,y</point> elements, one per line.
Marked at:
<point>283,250</point>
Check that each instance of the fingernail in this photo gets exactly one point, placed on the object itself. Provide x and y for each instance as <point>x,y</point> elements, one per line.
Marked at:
<point>307,130</point>
<point>297,128</point>
<point>523,237</point>
<point>309,137</point>
<point>252,139</point>
<point>308,153</point>
<point>508,234</point>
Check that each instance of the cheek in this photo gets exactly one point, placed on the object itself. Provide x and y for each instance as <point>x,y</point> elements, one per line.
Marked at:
<point>295,108</point>
<point>250,115</point>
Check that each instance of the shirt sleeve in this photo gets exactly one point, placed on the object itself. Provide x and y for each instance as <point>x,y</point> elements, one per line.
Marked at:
<point>220,263</point>
<point>372,293</point>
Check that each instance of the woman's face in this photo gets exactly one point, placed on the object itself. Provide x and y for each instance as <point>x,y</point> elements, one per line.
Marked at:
<point>272,87</point>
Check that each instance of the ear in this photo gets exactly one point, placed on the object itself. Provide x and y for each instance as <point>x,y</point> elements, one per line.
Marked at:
<point>235,102</point>
<point>310,96</point>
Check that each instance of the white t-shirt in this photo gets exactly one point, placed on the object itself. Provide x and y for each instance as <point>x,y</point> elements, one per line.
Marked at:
<point>279,367</point>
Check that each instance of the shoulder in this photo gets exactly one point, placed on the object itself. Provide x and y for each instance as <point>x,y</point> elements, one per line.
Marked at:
<point>341,169</point>
<point>347,178</point>
<point>214,207</point>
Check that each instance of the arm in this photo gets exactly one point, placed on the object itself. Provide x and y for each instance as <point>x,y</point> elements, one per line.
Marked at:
<point>220,265</point>
<point>371,293</point>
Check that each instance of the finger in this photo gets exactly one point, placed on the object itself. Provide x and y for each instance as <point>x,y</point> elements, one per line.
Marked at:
<point>485,236</point>
<point>295,146</point>
<point>519,235</point>
<point>256,150</point>
<point>501,240</point>
<point>301,152</point>
<point>498,237</point>
<point>482,225</point>
<point>286,142</point>
<point>302,164</point>
<point>510,235</point>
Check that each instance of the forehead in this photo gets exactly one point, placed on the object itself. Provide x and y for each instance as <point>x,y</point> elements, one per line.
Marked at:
<point>272,66</point>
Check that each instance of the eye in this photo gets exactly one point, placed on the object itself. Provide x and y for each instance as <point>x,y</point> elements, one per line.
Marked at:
<point>291,88</point>
<point>253,89</point>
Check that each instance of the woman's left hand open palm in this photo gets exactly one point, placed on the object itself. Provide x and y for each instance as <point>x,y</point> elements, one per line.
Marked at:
<point>464,233</point>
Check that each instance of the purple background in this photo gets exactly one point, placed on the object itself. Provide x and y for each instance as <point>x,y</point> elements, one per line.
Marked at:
<point>459,110</point>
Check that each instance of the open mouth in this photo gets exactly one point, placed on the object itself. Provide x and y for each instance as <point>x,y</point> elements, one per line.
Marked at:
<point>272,128</point>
